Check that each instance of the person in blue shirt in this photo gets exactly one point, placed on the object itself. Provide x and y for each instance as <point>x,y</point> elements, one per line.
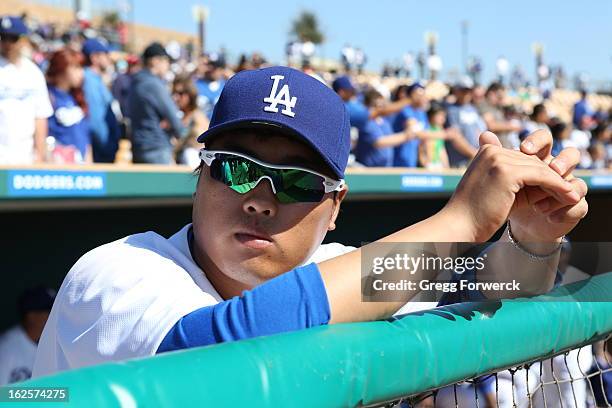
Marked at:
<point>209,85</point>
<point>376,139</point>
<point>358,113</point>
<point>413,119</point>
<point>602,383</point>
<point>467,120</point>
<point>154,116</point>
<point>582,108</point>
<point>68,125</point>
<point>105,131</point>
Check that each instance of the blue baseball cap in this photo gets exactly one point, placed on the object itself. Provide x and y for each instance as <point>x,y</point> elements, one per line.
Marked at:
<point>37,298</point>
<point>93,45</point>
<point>290,101</point>
<point>11,25</point>
<point>413,87</point>
<point>343,82</point>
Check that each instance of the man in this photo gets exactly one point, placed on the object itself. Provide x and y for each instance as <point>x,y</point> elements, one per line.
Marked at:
<point>358,113</point>
<point>24,100</point>
<point>209,84</point>
<point>102,121</point>
<point>413,120</point>
<point>580,137</point>
<point>493,115</point>
<point>18,344</point>
<point>153,114</point>
<point>465,117</point>
<point>269,188</point>
<point>582,108</point>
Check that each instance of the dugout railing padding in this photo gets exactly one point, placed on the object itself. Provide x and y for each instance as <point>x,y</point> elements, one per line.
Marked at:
<point>353,364</point>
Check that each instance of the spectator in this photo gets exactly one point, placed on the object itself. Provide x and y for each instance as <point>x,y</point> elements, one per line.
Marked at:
<point>209,83</point>
<point>537,120</point>
<point>103,124</point>
<point>153,114</point>
<point>602,384</point>
<point>560,133</point>
<point>69,124</point>
<point>597,151</point>
<point>432,153</point>
<point>581,108</point>
<point>413,119</point>
<point>581,139</point>
<point>18,344</point>
<point>24,100</point>
<point>464,116</point>
<point>493,115</point>
<point>194,122</point>
<point>358,113</point>
<point>360,60</point>
<point>121,91</point>
<point>347,57</point>
<point>376,139</point>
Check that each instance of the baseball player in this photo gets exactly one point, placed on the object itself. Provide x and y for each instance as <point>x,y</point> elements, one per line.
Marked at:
<point>251,263</point>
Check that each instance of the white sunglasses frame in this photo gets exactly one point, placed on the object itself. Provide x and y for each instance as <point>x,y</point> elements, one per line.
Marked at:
<point>329,184</point>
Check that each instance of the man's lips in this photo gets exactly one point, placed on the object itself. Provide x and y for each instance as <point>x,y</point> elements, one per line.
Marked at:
<point>253,240</point>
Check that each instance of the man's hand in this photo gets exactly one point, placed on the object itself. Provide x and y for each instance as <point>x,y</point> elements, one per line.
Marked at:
<point>501,184</point>
<point>539,216</point>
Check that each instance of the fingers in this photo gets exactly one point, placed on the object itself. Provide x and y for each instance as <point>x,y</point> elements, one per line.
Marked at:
<point>550,204</point>
<point>566,161</point>
<point>569,214</point>
<point>488,138</point>
<point>536,176</point>
<point>538,143</point>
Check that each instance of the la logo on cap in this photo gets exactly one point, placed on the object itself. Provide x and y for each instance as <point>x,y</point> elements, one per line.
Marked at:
<point>281,97</point>
<point>6,23</point>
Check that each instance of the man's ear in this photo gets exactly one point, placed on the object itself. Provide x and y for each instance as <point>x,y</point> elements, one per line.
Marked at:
<point>338,197</point>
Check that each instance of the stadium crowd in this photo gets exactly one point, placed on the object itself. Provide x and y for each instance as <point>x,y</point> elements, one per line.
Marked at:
<point>73,96</point>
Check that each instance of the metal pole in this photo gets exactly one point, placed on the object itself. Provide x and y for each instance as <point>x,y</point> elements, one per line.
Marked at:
<point>132,27</point>
<point>201,35</point>
<point>77,8</point>
<point>464,43</point>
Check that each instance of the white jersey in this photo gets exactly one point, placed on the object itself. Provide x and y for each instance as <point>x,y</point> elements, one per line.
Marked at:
<point>23,98</point>
<point>17,354</point>
<point>121,299</point>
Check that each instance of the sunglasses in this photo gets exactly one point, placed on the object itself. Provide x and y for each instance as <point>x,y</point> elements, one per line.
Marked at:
<point>290,184</point>
<point>9,38</point>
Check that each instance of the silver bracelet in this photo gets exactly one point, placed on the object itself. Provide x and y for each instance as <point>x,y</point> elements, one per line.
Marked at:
<point>531,255</point>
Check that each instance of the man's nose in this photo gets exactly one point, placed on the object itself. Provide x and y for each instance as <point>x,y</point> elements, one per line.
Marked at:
<point>261,200</point>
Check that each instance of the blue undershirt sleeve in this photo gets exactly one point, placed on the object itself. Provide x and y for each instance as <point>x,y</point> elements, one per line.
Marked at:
<point>292,301</point>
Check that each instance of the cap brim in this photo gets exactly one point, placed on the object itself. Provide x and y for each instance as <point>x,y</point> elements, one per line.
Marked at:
<point>259,124</point>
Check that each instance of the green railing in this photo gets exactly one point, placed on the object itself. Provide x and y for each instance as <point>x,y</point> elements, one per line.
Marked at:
<point>352,364</point>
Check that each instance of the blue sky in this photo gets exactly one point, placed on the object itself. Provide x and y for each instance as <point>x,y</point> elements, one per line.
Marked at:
<point>577,34</point>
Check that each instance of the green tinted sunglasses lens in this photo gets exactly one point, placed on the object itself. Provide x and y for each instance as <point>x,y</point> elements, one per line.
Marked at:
<point>242,175</point>
<point>300,186</point>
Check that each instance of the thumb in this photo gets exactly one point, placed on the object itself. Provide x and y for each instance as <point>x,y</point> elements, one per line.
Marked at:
<point>488,138</point>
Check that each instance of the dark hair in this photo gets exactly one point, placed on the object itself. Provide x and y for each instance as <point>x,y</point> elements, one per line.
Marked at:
<point>370,96</point>
<point>494,87</point>
<point>434,109</point>
<point>537,109</point>
<point>190,90</point>
<point>557,128</point>
<point>399,91</point>
<point>58,64</point>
